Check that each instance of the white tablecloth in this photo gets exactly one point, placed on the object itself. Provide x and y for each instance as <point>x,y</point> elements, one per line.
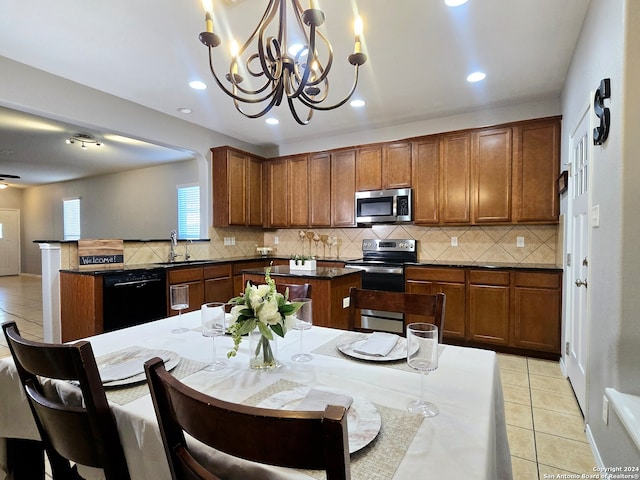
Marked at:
<point>466,440</point>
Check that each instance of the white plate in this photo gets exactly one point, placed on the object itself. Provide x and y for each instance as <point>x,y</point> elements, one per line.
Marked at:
<point>363,419</point>
<point>171,359</point>
<point>398,352</point>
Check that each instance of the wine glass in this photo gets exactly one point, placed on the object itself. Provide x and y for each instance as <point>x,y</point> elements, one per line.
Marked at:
<point>304,320</point>
<point>212,316</point>
<point>179,295</point>
<point>422,354</point>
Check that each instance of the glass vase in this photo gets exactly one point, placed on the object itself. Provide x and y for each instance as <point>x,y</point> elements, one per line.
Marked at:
<point>264,352</point>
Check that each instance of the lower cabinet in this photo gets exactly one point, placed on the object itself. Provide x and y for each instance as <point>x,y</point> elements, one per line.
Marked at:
<point>218,283</point>
<point>508,309</point>
<point>451,282</point>
<point>489,307</point>
<point>191,277</point>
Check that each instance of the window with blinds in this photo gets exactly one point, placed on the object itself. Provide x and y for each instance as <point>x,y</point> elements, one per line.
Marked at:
<point>189,212</point>
<point>71,219</point>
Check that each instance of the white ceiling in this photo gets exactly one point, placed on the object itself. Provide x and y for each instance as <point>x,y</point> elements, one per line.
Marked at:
<point>419,54</point>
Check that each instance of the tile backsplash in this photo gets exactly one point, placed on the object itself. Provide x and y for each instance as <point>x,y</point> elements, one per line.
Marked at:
<point>475,243</point>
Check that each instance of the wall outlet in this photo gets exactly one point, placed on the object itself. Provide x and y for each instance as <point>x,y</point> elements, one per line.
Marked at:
<point>229,241</point>
<point>454,241</point>
<point>276,240</point>
<point>520,242</point>
<point>595,216</point>
<point>346,301</point>
<point>605,410</point>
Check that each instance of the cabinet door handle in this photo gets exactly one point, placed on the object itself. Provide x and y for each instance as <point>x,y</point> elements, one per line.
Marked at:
<point>581,283</point>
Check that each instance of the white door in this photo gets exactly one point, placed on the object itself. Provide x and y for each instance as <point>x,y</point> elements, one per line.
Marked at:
<point>577,272</point>
<point>9,241</point>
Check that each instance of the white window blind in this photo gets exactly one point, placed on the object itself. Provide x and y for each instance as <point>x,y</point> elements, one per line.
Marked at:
<point>189,212</point>
<point>71,218</point>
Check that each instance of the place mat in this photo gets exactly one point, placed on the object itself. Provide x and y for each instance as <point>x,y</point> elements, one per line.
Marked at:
<point>330,349</point>
<point>127,394</point>
<point>381,458</point>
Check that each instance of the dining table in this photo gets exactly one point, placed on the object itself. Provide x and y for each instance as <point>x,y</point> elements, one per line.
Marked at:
<point>466,440</point>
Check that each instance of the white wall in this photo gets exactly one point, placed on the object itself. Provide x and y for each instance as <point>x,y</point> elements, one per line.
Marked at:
<point>608,48</point>
<point>137,204</point>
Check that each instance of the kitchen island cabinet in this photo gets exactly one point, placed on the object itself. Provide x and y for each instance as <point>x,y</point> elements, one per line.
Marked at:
<point>329,288</point>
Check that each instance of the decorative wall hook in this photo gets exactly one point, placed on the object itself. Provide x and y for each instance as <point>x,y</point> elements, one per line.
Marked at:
<point>601,132</point>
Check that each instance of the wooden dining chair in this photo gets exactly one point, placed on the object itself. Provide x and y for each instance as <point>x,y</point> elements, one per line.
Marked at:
<point>83,433</point>
<point>416,307</point>
<point>272,437</point>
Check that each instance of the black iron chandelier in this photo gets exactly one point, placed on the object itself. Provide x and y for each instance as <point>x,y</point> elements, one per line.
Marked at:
<point>282,71</point>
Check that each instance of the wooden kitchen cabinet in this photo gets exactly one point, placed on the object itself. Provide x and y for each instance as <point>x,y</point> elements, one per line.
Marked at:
<point>319,188</point>
<point>425,180</point>
<point>537,300</point>
<point>343,188</point>
<point>298,191</point>
<point>277,193</point>
<point>396,165</point>
<point>218,283</point>
<point>491,173</point>
<point>489,314</point>
<point>455,173</point>
<point>238,267</point>
<point>193,277</point>
<point>369,168</point>
<point>536,166</point>
<point>236,180</point>
<point>451,282</point>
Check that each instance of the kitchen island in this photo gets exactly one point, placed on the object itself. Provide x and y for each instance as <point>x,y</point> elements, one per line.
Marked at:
<point>329,289</point>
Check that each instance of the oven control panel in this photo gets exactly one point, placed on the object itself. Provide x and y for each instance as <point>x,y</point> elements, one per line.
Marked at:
<point>388,245</point>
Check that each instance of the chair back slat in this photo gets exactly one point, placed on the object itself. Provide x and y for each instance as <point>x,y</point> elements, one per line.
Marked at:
<point>240,430</point>
<point>84,434</point>
<point>416,307</point>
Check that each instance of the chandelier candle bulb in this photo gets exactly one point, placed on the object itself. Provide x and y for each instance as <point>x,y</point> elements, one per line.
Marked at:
<point>208,22</point>
<point>357,28</point>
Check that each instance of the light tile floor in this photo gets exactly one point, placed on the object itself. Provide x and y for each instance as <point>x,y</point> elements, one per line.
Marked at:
<point>544,423</point>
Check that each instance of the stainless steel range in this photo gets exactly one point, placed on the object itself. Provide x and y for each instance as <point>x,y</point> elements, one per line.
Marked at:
<point>382,266</point>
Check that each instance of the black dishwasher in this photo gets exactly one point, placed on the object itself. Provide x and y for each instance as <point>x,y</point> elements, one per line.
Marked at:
<point>133,297</point>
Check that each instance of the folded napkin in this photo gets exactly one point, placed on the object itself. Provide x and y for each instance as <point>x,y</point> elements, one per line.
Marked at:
<point>120,371</point>
<point>379,344</point>
<point>319,399</point>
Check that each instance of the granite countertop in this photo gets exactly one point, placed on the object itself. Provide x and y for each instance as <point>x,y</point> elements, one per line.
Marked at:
<point>323,273</point>
<point>280,270</point>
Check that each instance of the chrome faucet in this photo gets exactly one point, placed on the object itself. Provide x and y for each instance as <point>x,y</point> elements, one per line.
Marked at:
<point>174,243</point>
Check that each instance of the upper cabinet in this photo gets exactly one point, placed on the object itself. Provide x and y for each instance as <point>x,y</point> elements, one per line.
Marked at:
<point>236,179</point>
<point>396,165</point>
<point>343,188</point>
<point>455,172</point>
<point>536,166</point>
<point>498,175</point>
<point>369,168</point>
<point>319,190</point>
<point>382,167</point>
<point>425,178</point>
<point>491,175</point>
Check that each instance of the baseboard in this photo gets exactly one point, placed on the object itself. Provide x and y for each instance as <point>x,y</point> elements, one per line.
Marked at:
<point>594,448</point>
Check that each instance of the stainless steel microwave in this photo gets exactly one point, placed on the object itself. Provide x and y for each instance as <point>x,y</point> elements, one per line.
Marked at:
<point>384,206</point>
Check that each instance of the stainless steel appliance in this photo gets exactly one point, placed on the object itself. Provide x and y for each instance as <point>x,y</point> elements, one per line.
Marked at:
<point>133,297</point>
<point>384,206</point>
<point>382,266</point>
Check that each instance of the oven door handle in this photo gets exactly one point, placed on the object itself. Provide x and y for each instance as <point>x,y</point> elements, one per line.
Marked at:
<point>377,269</point>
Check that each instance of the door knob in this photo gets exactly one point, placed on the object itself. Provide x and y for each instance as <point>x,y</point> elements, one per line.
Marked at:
<point>581,283</point>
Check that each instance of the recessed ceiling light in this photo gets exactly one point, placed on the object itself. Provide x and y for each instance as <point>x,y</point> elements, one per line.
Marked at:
<point>272,121</point>
<point>184,110</point>
<point>3,186</point>
<point>454,3</point>
<point>198,85</point>
<point>476,77</point>
<point>357,103</point>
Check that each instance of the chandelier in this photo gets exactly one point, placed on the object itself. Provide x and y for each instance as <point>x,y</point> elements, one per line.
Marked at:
<point>280,70</point>
<point>83,139</point>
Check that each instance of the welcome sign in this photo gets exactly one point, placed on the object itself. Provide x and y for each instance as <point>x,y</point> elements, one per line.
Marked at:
<point>100,252</point>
